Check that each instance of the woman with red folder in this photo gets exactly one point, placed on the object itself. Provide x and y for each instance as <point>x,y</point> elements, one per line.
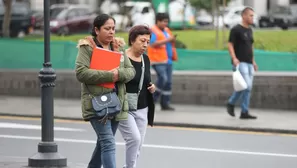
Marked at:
<point>102,37</point>
<point>140,95</point>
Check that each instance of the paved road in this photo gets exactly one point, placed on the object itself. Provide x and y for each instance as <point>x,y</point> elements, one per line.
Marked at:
<point>185,115</point>
<point>163,148</point>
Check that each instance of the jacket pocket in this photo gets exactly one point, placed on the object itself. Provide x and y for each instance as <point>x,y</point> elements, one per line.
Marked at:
<point>125,106</point>
<point>87,103</point>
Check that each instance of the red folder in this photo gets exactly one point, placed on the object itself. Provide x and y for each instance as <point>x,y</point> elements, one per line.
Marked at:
<point>106,60</point>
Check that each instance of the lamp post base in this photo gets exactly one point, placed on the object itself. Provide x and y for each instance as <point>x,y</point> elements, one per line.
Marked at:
<point>47,156</point>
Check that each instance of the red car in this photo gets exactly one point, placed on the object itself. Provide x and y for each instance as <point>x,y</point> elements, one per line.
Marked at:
<point>70,19</point>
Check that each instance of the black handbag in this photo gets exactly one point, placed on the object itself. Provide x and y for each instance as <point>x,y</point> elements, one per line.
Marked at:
<point>106,105</point>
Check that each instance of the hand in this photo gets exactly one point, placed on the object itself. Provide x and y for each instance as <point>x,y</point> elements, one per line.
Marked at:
<point>118,43</point>
<point>172,39</point>
<point>235,61</point>
<point>152,88</point>
<point>115,45</point>
<point>115,74</point>
<point>255,66</point>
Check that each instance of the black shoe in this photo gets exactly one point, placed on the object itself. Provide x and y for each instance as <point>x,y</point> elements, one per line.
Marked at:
<point>167,108</point>
<point>247,116</point>
<point>230,109</point>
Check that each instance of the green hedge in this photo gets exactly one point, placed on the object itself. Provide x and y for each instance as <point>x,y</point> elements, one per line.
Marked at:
<point>272,40</point>
<point>30,55</point>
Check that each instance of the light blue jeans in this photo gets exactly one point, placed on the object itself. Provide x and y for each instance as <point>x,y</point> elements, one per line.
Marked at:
<point>104,152</point>
<point>247,72</point>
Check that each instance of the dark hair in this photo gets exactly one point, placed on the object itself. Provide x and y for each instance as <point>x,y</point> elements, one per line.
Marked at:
<point>99,21</point>
<point>246,9</point>
<point>137,31</point>
<point>161,16</point>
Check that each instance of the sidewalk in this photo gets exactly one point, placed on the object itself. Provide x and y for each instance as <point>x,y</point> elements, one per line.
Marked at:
<point>184,115</point>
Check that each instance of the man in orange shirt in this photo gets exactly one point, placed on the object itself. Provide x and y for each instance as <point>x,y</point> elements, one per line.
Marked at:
<point>162,53</point>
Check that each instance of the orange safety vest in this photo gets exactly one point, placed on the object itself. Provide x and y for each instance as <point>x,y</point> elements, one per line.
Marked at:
<point>159,54</point>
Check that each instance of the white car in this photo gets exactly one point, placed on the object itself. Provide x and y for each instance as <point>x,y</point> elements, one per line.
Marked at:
<point>233,17</point>
<point>139,13</point>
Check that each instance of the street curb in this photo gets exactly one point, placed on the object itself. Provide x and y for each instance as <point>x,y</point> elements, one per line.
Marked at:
<point>183,125</point>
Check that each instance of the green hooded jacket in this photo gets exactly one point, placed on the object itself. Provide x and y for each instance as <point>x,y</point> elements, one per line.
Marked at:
<point>93,77</point>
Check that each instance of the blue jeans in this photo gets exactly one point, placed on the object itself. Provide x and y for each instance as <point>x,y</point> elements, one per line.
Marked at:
<point>104,153</point>
<point>247,72</point>
<point>164,83</point>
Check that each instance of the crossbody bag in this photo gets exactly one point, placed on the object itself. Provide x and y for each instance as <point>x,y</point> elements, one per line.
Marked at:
<point>133,97</point>
<point>106,106</point>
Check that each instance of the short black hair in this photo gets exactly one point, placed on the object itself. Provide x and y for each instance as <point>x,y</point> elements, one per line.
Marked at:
<point>246,9</point>
<point>161,16</point>
<point>99,21</point>
<point>137,31</point>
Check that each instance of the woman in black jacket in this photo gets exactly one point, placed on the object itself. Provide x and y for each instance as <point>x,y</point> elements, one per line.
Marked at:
<point>139,93</point>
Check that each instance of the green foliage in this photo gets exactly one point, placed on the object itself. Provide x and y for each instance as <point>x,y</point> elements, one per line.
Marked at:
<point>205,4</point>
<point>282,41</point>
<point>180,44</point>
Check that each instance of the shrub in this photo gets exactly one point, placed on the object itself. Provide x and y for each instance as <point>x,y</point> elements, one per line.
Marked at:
<point>269,40</point>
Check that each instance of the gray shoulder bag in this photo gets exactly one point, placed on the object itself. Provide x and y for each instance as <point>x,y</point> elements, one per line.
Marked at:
<point>133,97</point>
<point>106,105</point>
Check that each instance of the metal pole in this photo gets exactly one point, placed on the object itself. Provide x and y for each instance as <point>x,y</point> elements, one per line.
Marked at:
<point>217,27</point>
<point>47,155</point>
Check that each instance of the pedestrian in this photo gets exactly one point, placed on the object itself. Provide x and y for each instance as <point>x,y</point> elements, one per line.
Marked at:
<point>162,53</point>
<point>140,95</point>
<point>241,51</point>
<point>102,37</point>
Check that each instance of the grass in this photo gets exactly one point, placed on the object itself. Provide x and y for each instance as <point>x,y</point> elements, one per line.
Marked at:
<point>269,40</point>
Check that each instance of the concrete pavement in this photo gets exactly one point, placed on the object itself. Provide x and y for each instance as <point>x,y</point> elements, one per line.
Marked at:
<point>162,148</point>
<point>271,90</point>
<point>185,115</point>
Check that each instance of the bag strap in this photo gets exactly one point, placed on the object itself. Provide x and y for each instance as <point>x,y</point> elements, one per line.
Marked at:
<point>91,40</point>
<point>142,75</point>
<point>90,94</point>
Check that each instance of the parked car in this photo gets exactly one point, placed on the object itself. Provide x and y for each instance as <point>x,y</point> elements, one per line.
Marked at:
<point>233,17</point>
<point>281,16</point>
<point>71,19</point>
<point>37,18</point>
<point>22,22</point>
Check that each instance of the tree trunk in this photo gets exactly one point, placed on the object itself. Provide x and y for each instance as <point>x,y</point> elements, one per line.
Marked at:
<point>215,7</point>
<point>7,18</point>
<point>224,32</point>
<point>184,16</point>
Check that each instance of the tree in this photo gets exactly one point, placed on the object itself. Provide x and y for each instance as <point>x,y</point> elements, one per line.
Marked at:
<point>206,4</point>
<point>212,6</point>
<point>7,18</point>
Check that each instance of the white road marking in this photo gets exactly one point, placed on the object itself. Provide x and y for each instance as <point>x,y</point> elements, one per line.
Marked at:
<point>161,147</point>
<point>34,127</point>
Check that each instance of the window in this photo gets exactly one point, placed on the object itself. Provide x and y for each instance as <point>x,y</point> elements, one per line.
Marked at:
<point>55,11</point>
<point>17,9</point>
<point>282,10</point>
<point>2,10</point>
<point>82,11</point>
<point>294,10</point>
<point>72,14</point>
